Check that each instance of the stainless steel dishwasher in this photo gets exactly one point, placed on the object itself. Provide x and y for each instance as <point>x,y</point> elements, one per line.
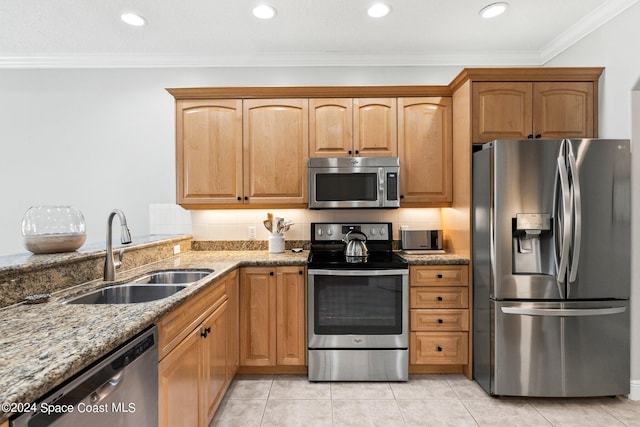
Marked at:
<point>120,389</point>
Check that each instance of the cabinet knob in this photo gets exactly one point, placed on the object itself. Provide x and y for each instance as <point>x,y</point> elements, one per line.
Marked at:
<point>530,136</point>
<point>439,348</point>
<point>439,298</point>
<point>300,272</point>
<point>440,321</point>
<point>402,196</point>
<point>206,332</point>
<point>350,152</point>
<point>538,136</point>
<point>239,198</point>
<point>271,273</point>
<point>357,152</point>
<point>246,197</point>
<point>440,276</point>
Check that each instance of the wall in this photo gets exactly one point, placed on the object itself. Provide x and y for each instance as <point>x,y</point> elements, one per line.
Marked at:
<point>614,46</point>
<point>100,139</point>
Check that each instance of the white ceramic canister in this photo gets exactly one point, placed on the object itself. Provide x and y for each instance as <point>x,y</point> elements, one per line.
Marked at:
<point>276,243</point>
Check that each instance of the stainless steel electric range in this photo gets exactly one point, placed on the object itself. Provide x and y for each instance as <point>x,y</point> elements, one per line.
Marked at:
<point>358,307</point>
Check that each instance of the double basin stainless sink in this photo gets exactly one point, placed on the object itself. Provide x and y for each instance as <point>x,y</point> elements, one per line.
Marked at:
<point>150,287</point>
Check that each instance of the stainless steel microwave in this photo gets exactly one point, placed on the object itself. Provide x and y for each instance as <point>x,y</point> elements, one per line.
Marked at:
<point>354,182</point>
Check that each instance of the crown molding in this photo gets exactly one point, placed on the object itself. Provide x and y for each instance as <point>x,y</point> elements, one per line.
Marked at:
<point>591,22</point>
<point>294,59</point>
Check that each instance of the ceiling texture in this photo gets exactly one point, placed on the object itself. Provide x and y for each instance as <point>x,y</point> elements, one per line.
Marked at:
<point>198,33</point>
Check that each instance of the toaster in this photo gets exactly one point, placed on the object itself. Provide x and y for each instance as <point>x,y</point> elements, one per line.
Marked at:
<point>421,240</point>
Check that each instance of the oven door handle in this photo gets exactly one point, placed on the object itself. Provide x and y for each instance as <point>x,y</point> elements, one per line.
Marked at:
<point>325,272</point>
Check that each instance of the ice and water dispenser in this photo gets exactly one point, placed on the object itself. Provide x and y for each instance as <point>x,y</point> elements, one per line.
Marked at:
<point>532,244</point>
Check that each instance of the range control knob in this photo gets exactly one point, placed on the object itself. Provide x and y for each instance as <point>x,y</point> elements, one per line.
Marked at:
<point>382,231</point>
<point>373,232</point>
<point>330,232</point>
<point>319,231</point>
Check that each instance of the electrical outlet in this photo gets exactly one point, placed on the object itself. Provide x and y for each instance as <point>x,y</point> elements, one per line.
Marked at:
<point>252,232</point>
<point>176,249</point>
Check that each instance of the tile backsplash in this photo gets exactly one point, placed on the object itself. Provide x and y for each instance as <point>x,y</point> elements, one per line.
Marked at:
<point>235,224</point>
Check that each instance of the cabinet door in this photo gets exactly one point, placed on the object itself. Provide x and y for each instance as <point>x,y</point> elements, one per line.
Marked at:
<point>563,110</point>
<point>291,314</point>
<point>501,110</point>
<point>258,316</point>
<point>425,150</point>
<point>214,361</point>
<point>233,319</point>
<point>330,127</point>
<point>179,384</point>
<point>208,151</point>
<point>375,124</point>
<point>276,150</point>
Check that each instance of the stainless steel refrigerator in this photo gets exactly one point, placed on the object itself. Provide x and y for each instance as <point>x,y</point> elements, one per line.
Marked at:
<point>551,267</point>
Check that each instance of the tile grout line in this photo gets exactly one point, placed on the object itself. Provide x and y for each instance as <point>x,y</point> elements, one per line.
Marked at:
<point>266,402</point>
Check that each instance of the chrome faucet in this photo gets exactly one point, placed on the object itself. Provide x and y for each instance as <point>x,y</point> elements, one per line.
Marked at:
<point>110,264</point>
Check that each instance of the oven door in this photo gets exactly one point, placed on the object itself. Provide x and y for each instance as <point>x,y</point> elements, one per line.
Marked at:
<point>364,309</point>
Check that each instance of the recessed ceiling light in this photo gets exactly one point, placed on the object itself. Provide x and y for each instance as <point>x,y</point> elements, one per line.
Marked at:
<point>494,10</point>
<point>378,10</point>
<point>264,11</point>
<point>133,19</point>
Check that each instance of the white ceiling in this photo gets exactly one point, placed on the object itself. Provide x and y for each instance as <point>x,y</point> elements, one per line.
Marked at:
<point>89,33</point>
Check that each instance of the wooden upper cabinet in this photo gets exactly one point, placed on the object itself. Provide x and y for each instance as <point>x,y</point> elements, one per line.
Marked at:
<point>276,144</point>
<point>375,124</point>
<point>563,110</point>
<point>330,127</point>
<point>502,110</point>
<point>425,150</point>
<point>532,110</point>
<point>343,127</point>
<point>208,151</point>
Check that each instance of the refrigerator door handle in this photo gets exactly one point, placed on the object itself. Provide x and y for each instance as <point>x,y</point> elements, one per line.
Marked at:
<point>564,312</point>
<point>564,214</point>
<point>577,218</point>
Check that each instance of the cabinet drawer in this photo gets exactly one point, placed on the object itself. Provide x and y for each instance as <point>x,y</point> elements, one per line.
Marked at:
<point>177,324</point>
<point>439,320</point>
<point>439,297</point>
<point>439,275</point>
<point>435,348</point>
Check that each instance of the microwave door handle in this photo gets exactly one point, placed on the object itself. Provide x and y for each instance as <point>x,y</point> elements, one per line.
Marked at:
<point>381,195</point>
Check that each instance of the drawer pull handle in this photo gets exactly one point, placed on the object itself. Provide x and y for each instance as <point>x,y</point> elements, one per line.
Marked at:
<point>440,276</point>
<point>439,348</point>
<point>271,273</point>
<point>440,321</point>
<point>439,298</point>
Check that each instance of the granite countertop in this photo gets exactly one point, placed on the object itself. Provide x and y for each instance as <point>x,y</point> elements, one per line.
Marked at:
<point>45,344</point>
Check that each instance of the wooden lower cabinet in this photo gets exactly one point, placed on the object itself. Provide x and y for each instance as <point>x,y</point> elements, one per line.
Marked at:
<point>195,371</point>
<point>233,320</point>
<point>272,317</point>
<point>439,318</point>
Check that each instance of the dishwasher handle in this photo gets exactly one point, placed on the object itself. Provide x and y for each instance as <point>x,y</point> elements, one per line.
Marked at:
<point>107,388</point>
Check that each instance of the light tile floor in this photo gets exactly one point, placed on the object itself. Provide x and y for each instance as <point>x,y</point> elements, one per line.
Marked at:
<point>425,400</point>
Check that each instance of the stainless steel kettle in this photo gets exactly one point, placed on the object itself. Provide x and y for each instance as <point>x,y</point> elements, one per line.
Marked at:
<point>356,248</point>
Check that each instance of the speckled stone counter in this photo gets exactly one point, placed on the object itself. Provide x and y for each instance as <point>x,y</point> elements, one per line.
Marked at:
<point>42,345</point>
<point>433,259</point>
